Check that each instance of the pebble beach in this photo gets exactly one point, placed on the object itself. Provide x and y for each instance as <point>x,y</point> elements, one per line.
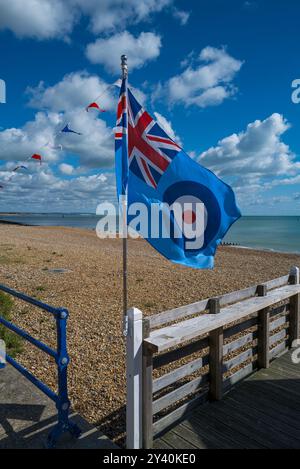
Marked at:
<point>72,268</point>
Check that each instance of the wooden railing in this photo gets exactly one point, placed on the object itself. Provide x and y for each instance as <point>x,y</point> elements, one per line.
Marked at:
<point>180,358</point>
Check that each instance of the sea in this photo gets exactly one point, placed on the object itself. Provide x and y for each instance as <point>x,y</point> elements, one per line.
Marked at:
<point>281,233</point>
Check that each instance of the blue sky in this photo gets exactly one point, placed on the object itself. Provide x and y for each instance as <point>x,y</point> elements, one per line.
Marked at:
<point>217,74</point>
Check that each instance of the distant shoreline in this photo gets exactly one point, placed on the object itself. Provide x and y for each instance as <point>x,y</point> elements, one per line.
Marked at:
<point>85,229</point>
<point>6,222</point>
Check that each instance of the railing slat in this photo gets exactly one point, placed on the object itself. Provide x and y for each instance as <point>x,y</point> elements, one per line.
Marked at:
<point>190,329</point>
<point>179,393</point>
<point>238,376</point>
<point>185,351</point>
<point>279,311</point>
<point>278,323</point>
<point>238,328</point>
<point>174,376</point>
<point>278,337</point>
<point>239,343</point>
<point>178,414</point>
<point>188,310</point>
<point>279,349</point>
<point>239,359</point>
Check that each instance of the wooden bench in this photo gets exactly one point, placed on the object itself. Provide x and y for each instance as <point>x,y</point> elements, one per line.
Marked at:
<point>227,338</point>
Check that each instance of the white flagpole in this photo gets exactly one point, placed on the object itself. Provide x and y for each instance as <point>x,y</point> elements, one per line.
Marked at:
<point>124,69</point>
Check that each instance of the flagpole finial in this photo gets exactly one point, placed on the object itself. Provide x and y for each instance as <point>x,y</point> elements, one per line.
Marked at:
<point>124,66</point>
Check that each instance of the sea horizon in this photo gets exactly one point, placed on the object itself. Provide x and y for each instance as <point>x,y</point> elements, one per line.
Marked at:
<point>278,233</point>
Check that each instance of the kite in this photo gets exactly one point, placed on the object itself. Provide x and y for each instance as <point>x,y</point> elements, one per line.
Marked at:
<point>37,157</point>
<point>19,167</point>
<point>67,129</point>
<point>94,106</point>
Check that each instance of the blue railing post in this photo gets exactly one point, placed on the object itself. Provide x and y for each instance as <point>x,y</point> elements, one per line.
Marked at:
<point>61,358</point>
<point>63,402</point>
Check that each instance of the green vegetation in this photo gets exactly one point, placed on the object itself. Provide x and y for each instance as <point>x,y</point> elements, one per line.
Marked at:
<point>13,342</point>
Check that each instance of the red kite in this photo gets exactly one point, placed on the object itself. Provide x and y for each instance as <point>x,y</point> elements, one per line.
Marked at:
<point>94,106</point>
<point>37,157</point>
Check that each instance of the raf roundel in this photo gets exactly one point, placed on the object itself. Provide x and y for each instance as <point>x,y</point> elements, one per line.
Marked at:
<point>192,193</point>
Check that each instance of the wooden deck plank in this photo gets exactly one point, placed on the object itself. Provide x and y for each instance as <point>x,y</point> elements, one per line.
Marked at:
<point>222,428</point>
<point>261,412</point>
<point>285,371</point>
<point>262,433</point>
<point>175,440</point>
<point>256,413</point>
<point>162,444</point>
<point>213,434</point>
<point>279,396</point>
<point>236,423</point>
<point>282,413</point>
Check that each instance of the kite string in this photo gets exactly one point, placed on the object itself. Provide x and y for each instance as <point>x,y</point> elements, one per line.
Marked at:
<point>14,172</point>
<point>82,110</point>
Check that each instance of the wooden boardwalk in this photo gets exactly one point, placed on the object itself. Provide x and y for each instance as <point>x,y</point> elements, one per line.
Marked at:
<point>261,412</point>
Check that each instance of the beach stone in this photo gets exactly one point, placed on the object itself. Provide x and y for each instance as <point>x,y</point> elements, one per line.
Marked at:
<point>59,271</point>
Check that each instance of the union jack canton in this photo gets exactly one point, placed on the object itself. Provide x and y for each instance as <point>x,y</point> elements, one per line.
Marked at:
<point>150,149</point>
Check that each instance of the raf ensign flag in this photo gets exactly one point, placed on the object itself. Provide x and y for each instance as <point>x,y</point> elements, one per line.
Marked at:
<point>153,169</point>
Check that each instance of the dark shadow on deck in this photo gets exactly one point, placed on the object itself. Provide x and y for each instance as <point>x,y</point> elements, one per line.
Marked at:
<point>27,416</point>
<point>261,412</point>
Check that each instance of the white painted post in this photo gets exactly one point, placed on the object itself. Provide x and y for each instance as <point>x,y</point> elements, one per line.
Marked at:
<point>294,330</point>
<point>134,357</point>
<point>295,273</point>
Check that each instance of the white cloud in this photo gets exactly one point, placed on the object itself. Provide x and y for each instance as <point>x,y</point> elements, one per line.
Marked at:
<point>94,147</point>
<point>67,169</point>
<point>182,16</point>
<point>75,90</point>
<point>44,19</point>
<point>139,49</point>
<point>255,155</point>
<point>109,15</point>
<point>208,83</point>
<point>167,127</point>
<point>38,19</point>
<point>41,190</point>
<point>18,144</point>
<point>64,102</point>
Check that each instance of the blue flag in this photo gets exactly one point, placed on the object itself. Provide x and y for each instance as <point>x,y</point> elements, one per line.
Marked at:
<point>67,130</point>
<point>154,170</point>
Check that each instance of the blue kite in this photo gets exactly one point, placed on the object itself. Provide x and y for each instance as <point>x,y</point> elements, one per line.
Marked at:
<point>67,129</point>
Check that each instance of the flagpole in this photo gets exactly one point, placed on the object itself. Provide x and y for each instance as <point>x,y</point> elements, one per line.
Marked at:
<point>124,69</point>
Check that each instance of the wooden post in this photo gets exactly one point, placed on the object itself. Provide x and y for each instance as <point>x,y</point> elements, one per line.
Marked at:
<point>147,425</point>
<point>263,331</point>
<point>134,379</point>
<point>216,341</point>
<point>294,331</point>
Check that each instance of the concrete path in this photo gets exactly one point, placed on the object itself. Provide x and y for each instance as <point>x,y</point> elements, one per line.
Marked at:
<point>27,416</point>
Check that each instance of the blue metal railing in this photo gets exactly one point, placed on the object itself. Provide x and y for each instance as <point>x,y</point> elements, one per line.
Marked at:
<point>61,358</point>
